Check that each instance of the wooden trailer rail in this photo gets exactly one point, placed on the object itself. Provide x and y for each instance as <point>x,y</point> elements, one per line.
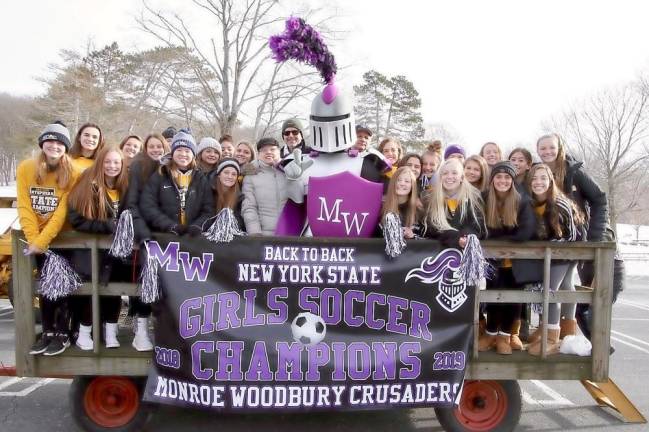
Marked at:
<point>488,365</point>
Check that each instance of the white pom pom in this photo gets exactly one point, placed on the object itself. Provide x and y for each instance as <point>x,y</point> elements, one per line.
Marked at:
<point>224,228</point>
<point>393,235</point>
<point>58,278</point>
<point>122,245</point>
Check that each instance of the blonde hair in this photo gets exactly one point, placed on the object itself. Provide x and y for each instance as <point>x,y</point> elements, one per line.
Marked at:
<point>253,151</point>
<point>63,170</point>
<point>500,152</point>
<point>387,140</point>
<point>484,171</point>
<point>468,197</point>
<point>559,172</point>
<point>89,196</point>
<point>391,204</point>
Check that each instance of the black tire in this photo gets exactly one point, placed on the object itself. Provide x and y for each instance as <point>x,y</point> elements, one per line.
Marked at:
<point>90,416</point>
<point>10,294</point>
<point>485,406</point>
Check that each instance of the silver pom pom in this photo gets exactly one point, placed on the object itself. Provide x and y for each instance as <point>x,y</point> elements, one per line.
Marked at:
<point>474,266</point>
<point>149,289</point>
<point>58,278</point>
<point>393,235</point>
<point>224,228</point>
<point>123,238</point>
<point>535,287</point>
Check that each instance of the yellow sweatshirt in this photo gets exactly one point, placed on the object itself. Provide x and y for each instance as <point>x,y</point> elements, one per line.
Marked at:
<point>42,208</point>
<point>81,164</point>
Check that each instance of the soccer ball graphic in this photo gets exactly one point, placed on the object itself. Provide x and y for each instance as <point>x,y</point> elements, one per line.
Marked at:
<point>308,329</point>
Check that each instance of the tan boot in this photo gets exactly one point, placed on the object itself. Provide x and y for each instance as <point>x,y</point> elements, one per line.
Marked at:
<point>486,342</point>
<point>482,327</point>
<point>515,341</point>
<point>536,336</point>
<point>554,343</point>
<point>503,344</point>
<point>568,328</point>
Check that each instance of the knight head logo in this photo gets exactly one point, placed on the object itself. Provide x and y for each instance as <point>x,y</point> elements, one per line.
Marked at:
<point>444,270</point>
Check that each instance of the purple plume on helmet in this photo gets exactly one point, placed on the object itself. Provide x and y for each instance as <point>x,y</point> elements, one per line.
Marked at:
<point>433,269</point>
<point>303,43</point>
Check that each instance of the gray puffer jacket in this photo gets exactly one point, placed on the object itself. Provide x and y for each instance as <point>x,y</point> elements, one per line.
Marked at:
<point>264,196</point>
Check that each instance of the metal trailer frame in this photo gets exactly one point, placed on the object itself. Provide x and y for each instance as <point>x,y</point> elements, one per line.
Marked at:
<point>593,371</point>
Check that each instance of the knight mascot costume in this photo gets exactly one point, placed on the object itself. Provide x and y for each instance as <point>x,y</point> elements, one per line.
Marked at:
<point>334,191</point>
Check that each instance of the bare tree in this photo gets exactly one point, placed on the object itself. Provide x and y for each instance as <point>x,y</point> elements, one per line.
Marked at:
<point>609,132</point>
<point>235,67</point>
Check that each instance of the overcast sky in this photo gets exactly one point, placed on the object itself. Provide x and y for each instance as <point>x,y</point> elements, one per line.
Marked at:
<point>493,70</point>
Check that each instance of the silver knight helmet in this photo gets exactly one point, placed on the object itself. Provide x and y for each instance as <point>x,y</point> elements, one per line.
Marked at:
<point>332,121</point>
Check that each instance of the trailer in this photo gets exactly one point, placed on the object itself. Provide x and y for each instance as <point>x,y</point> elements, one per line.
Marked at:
<point>108,383</point>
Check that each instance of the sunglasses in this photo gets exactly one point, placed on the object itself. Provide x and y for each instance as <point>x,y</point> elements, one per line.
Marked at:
<point>291,132</point>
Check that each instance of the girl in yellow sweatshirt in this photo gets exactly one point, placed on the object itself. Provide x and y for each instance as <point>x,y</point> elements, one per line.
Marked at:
<point>43,184</point>
<point>87,145</point>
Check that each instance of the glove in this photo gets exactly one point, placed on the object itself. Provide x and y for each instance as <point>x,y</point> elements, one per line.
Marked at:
<point>297,166</point>
<point>194,231</point>
<point>178,229</point>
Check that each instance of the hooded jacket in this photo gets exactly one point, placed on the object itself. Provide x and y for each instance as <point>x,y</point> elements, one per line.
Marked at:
<point>589,197</point>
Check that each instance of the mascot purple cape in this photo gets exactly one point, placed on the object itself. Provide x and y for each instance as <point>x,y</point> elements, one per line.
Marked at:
<point>339,189</point>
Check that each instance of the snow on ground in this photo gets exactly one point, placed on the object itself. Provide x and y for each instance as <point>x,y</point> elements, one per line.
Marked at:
<point>633,244</point>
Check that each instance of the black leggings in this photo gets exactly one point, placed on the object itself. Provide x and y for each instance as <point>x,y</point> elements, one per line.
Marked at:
<point>501,316</point>
<point>109,307</point>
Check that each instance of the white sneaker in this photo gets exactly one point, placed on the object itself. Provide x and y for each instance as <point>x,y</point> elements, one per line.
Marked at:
<point>110,334</point>
<point>84,340</point>
<point>141,341</point>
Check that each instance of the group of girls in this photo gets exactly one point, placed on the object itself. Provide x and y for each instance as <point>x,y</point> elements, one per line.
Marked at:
<point>175,186</point>
<point>492,198</point>
<point>86,185</point>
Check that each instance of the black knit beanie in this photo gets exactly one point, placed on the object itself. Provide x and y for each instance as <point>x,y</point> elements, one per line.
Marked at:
<point>503,167</point>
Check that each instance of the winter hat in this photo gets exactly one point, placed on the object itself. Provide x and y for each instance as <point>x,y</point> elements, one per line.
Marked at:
<point>361,128</point>
<point>183,139</point>
<point>169,132</point>
<point>503,167</point>
<point>228,162</point>
<point>55,132</point>
<point>267,142</point>
<point>453,149</point>
<point>292,123</point>
<point>208,142</point>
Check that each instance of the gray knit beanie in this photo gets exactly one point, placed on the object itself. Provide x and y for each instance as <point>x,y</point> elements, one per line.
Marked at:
<point>55,132</point>
<point>208,142</point>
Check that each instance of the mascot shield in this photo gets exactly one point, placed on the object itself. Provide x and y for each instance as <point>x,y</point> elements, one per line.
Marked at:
<point>343,205</point>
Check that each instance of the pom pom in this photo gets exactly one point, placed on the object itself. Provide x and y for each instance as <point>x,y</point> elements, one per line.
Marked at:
<point>474,266</point>
<point>303,43</point>
<point>224,228</point>
<point>123,238</point>
<point>58,278</point>
<point>393,235</point>
<point>537,308</point>
<point>149,289</point>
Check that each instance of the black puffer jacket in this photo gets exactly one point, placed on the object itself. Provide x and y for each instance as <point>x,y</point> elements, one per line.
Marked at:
<point>135,187</point>
<point>472,223</point>
<point>81,259</point>
<point>586,193</point>
<point>160,201</point>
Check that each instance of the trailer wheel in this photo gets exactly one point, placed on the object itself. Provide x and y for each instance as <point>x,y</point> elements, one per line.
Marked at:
<point>108,403</point>
<point>485,406</point>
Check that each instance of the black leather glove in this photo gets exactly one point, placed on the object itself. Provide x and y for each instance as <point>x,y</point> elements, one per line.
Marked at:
<point>194,231</point>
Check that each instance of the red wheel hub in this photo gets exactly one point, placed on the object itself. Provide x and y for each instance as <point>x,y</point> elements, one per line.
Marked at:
<point>111,401</point>
<point>483,405</point>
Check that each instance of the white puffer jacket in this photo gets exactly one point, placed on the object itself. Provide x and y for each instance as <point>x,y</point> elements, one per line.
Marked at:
<point>264,192</point>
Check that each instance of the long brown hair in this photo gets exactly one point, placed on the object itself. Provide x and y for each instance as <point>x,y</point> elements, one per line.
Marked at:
<point>484,171</point>
<point>392,140</point>
<point>90,197</point>
<point>225,197</point>
<point>501,212</point>
<point>63,170</point>
<point>391,204</point>
<point>75,150</point>
<point>528,157</point>
<point>147,165</point>
<point>500,152</point>
<point>559,172</point>
<point>552,196</point>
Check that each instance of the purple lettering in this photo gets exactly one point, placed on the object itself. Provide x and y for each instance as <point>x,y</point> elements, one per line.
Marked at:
<point>318,355</point>
<point>208,313</point>
<point>196,268</point>
<point>395,306</point>
<point>197,366</point>
<point>229,303</point>
<point>359,361</point>
<point>167,259</point>
<point>229,361</point>
<point>259,367</point>
<point>249,317</point>
<point>305,301</point>
<point>189,326</point>
<point>371,300</point>
<point>279,306</point>
<point>339,361</point>
<point>385,360</point>
<point>420,320</point>
<point>406,350</point>
<point>330,305</point>
<point>289,356</point>
<point>350,319</point>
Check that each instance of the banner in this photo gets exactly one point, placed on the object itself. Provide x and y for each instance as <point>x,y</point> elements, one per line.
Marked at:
<point>305,324</point>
